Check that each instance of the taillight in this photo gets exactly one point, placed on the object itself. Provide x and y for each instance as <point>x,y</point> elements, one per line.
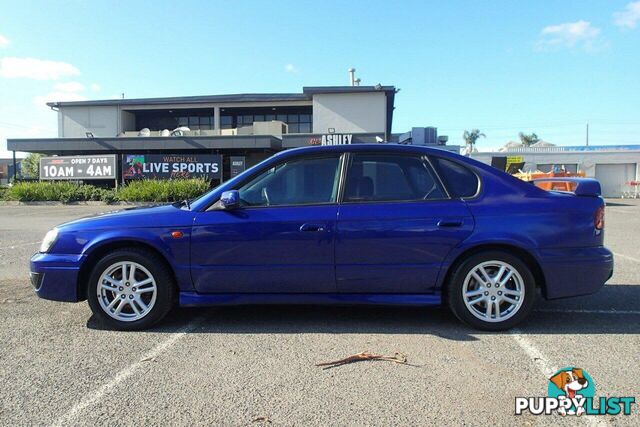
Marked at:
<point>598,218</point>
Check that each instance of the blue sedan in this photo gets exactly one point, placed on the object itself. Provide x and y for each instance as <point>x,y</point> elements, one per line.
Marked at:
<point>351,224</point>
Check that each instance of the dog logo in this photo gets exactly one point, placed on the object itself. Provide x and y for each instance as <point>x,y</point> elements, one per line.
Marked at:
<point>571,391</point>
<point>575,385</point>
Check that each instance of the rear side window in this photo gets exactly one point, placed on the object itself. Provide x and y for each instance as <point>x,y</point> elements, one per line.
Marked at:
<point>460,181</point>
<point>385,177</point>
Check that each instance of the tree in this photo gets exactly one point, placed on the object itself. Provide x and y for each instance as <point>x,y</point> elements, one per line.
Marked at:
<point>528,140</point>
<point>30,166</point>
<point>470,138</point>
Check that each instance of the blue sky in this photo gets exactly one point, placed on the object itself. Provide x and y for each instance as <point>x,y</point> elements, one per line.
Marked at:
<point>501,66</point>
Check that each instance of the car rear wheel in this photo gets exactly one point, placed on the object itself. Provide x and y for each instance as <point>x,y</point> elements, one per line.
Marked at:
<point>492,290</point>
<point>130,289</point>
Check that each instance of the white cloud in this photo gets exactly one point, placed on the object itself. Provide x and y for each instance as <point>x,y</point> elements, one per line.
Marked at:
<point>95,87</point>
<point>4,42</point>
<point>69,87</point>
<point>629,17</point>
<point>569,34</point>
<point>67,91</point>
<point>290,68</point>
<point>58,96</point>
<point>36,69</point>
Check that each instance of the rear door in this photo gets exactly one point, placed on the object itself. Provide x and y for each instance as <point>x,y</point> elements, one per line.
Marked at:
<point>396,224</point>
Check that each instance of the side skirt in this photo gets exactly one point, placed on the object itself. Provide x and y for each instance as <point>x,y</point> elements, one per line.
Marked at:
<point>193,299</point>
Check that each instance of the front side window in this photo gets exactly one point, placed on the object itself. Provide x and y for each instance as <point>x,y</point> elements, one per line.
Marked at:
<point>294,182</point>
<point>385,177</point>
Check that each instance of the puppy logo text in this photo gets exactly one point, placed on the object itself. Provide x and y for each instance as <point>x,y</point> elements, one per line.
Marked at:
<point>571,392</point>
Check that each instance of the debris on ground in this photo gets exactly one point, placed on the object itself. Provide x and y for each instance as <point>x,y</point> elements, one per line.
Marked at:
<point>398,358</point>
<point>262,420</point>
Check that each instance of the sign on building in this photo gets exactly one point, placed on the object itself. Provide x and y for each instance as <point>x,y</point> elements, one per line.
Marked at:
<point>167,166</point>
<point>237,165</point>
<point>331,139</point>
<point>78,167</point>
<point>514,160</point>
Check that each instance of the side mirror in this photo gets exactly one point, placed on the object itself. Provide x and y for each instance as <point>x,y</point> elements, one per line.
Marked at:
<point>230,200</point>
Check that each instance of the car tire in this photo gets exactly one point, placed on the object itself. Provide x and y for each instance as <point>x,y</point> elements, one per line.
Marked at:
<point>119,304</point>
<point>481,299</point>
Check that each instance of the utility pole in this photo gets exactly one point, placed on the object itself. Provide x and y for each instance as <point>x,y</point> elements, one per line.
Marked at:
<point>587,134</point>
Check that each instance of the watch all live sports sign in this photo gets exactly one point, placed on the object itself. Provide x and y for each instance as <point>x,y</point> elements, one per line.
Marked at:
<point>171,166</point>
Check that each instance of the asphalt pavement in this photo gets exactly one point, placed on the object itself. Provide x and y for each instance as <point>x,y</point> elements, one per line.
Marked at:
<point>256,365</point>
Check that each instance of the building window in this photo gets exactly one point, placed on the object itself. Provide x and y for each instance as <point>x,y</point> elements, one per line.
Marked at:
<point>171,119</point>
<point>559,167</point>
<point>298,119</point>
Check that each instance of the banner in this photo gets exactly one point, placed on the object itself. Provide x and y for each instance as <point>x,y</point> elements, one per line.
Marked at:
<point>237,165</point>
<point>78,167</point>
<point>168,166</point>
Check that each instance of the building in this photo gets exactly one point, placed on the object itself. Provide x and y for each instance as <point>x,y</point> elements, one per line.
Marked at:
<point>247,127</point>
<point>615,166</point>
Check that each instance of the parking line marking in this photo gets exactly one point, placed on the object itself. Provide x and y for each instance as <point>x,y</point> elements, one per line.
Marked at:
<point>546,367</point>
<point>626,257</point>
<point>539,359</point>
<point>127,372</point>
<point>585,311</point>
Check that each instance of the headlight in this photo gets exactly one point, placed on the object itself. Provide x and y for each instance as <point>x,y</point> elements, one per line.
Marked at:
<point>49,240</point>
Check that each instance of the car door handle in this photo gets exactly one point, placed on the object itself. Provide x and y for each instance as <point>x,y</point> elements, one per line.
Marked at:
<point>312,227</point>
<point>450,223</point>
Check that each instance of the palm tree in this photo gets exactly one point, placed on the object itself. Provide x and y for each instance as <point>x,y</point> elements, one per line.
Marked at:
<point>528,140</point>
<point>470,138</point>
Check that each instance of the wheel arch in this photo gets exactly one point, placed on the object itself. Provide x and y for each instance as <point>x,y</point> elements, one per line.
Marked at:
<point>104,248</point>
<point>518,251</point>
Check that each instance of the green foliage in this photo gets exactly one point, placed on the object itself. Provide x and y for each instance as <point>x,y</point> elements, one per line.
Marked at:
<point>30,166</point>
<point>3,193</point>
<point>163,191</point>
<point>528,139</point>
<point>470,137</point>
<point>136,191</point>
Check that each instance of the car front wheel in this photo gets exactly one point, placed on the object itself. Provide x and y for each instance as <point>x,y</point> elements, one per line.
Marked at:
<point>492,290</point>
<point>130,289</point>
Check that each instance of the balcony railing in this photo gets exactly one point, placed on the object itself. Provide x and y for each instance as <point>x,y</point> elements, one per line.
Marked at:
<point>274,127</point>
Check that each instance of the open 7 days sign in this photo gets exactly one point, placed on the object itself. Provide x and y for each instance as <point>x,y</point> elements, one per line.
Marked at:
<point>78,167</point>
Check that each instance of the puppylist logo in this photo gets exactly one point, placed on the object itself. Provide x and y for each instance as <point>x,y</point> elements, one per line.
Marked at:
<point>571,391</point>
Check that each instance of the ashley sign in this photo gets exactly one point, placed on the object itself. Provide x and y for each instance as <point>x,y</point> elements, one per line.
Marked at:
<point>336,139</point>
<point>332,139</point>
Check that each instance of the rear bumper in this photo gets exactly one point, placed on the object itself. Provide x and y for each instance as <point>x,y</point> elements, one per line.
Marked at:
<point>55,276</point>
<point>575,271</point>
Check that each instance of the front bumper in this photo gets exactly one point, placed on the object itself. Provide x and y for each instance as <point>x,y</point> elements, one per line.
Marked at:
<point>55,276</point>
<point>575,271</point>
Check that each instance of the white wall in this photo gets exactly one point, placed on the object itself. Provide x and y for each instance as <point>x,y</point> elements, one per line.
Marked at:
<point>350,113</point>
<point>101,121</point>
<point>127,121</point>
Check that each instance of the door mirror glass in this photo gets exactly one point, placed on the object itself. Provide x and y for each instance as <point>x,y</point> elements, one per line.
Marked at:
<point>230,199</point>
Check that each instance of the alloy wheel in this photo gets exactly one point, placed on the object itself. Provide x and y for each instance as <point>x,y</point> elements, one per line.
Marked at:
<point>493,291</point>
<point>127,291</point>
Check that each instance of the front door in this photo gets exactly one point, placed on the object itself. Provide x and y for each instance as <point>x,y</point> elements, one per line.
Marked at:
<point>396,225</point>
<point>281,240</point>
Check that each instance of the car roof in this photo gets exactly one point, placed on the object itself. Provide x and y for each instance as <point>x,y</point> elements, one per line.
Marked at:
<point>340,148</point>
